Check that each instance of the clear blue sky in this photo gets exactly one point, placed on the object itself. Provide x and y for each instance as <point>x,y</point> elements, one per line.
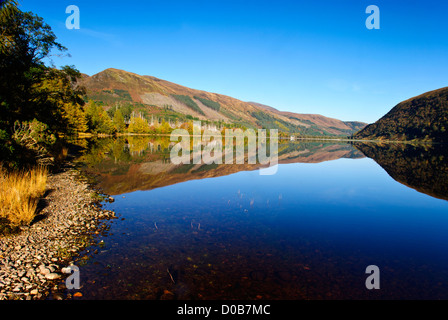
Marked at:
<point>300,56</point>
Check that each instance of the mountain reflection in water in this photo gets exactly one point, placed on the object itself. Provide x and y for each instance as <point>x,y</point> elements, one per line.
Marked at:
<point>143,163</point>
<point>307,232</point>
<point>423,168</point>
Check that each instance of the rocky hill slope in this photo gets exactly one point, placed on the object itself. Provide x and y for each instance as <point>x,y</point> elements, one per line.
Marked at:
<point>112,86</point>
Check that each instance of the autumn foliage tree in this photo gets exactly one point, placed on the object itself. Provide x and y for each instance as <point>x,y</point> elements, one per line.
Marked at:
<point>138,125</point>
<point>118,121</point>
<point>30,91</point>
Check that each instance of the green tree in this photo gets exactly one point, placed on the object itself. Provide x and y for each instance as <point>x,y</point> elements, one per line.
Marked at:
<point>98,120</point>
<point>118,121</point>
<point>29,90</point>
<point>8,7</point>
<point>105,125</point>
<point>92,115</point>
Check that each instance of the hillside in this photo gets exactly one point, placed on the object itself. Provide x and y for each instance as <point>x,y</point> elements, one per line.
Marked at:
<point>315,122</point>
<point>424,117</point>
<point>154,96</point>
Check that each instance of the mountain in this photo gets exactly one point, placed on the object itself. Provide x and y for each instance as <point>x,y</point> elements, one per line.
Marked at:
<point>154,96</point>
<point>424,117</point>
<point>315,122</point>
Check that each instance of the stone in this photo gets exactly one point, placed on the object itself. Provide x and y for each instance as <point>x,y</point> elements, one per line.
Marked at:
<point>29,261</point>
<point>52,276</point>
<point>45,271</point>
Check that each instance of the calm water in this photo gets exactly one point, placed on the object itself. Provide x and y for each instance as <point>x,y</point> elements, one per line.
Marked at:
<point>307,232</point>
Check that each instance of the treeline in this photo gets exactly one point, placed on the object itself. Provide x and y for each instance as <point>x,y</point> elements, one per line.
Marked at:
<point>208,103</point>
<point>121,119</point>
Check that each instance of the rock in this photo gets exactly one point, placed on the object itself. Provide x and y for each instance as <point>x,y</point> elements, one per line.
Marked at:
<point>44,271</point>
<point>30,273</point>
<point>52,276</point>
<point>28,260</point>
<point>58,296</point>
<point>66,270</point>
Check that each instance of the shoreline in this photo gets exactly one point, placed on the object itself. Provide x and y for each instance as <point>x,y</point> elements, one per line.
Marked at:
<point>31,261</point>
<point>296,138</point>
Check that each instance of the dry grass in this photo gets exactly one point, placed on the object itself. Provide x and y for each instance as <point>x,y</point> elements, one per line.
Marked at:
<point>20,193</point>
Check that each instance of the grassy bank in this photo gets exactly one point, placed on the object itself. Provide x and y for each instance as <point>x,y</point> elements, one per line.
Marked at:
<point>20,194</point>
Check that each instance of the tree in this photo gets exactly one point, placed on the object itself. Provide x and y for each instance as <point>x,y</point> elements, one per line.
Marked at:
<point>76,119</point>
<point>59,101</point>
<point>98,120</point>
<point>26,41</point>
<point>29,90</point>
<point>164,128</point>
<point>8,7</point>
<point>106,125</point>
<point>118,121</point>
<point>138,125</point>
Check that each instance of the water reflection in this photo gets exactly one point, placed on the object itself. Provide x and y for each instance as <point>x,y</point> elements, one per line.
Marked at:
<point>423,168</point>
<point>308,232</point>
<point>136,163</point>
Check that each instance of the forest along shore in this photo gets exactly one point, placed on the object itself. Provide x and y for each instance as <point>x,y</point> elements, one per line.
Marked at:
<point>31,261</point>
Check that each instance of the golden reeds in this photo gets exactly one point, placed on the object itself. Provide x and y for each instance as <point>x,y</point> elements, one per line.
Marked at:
<point>20,192</point>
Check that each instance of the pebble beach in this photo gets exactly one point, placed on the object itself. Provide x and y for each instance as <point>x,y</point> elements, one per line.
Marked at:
<point>32,261</point>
